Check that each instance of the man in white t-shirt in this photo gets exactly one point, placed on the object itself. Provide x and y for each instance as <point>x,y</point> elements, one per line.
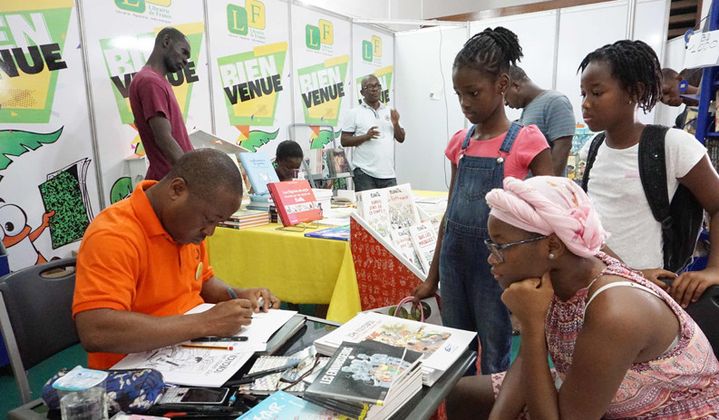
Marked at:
<point>372,129</point>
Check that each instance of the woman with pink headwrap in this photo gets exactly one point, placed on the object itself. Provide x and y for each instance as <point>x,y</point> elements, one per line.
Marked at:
<point>621,346</point>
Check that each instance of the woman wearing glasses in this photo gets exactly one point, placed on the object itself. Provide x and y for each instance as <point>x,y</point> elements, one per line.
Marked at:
<point>622,347</point>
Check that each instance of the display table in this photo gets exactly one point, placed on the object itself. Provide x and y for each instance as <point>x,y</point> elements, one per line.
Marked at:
<point>295,268</point>
<point>422,406</point>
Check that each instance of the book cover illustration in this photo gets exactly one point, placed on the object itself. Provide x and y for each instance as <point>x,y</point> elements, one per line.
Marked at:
<point>260,171</point>
<point>337,163</point>
<point>372,206</point>
<point>402,210</point>
<point>441,345</point>
<point>65,193</point>
<point>295,201</point>
<point>363,372</point>
<point>424,240</point>
<point>419,338</point>
<point>282,406</point>
<point>402,240</point>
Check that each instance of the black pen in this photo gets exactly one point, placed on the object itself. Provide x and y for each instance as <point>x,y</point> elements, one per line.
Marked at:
<point>250,377</point>
<point>218,339</point>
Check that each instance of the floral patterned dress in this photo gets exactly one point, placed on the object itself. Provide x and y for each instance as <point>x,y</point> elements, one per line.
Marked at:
<point>682,383</point>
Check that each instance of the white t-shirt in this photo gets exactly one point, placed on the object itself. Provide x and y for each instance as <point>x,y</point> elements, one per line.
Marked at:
<point>617,194</point>
<point>376,156</point>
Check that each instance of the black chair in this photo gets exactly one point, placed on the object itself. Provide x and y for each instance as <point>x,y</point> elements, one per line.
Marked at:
<point>36,316</point>
<point>705,313</point>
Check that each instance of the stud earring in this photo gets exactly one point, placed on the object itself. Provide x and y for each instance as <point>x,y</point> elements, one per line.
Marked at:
<point>551,256</point>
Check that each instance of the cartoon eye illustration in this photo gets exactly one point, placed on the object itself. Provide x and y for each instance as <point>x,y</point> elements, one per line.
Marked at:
<point>12,219</point>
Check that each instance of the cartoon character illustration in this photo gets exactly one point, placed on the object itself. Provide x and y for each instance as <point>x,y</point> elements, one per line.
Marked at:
<point>379,370</point>
<point>18,237</point>
<point>320,138</point>
<point>423,340</point>
<point>252,140</point>
<point>122,188</point>
<point>15,143</point>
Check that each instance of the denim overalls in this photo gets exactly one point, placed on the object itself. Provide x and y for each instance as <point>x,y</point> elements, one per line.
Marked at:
<point>470,294</point>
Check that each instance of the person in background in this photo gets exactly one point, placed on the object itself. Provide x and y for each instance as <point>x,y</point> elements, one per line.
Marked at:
<point>288,159</point>
<point>681,88</point>
<point>549,110</point>
<point>621,347</point>
<point>371,129</point>
<point>143,263</point>
<point>481,157</point>
<point>157,114</point>
<point>617,79</point>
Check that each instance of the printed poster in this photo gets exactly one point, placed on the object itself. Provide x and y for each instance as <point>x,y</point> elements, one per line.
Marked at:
<point>322,86</point>
<point>121,35</point>
<point>251,72</point>
<point>48,183</point>
<point>373,53</point>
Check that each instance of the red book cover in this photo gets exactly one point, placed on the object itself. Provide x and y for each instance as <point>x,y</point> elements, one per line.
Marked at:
<point>295,202</point>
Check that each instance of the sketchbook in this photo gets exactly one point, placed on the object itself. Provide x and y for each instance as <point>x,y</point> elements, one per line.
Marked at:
<point>209,367</point>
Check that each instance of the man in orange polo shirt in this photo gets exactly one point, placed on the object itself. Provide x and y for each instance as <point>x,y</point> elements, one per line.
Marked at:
<point>143,264</point>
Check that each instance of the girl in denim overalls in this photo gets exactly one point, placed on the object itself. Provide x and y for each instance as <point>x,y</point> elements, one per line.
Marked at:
<point>481,158</point>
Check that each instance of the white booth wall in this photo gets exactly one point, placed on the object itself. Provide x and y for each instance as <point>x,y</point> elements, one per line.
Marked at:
<point>554,43</point>
<point>427,104</point>
<point>85,103</point>
<point>66,125</point>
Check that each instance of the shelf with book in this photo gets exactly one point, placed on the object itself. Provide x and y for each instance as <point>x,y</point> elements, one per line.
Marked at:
<point>391,238</point>
<point>322,166</point>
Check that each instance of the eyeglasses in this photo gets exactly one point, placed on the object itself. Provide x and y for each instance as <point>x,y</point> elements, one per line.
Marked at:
<point>496,249</point>
<point>372,86</point>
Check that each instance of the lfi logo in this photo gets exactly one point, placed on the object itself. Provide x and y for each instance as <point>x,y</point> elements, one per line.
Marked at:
<point>322,34</point>
<point>372,48</point>
<point>241,19</point>
<point>139,6</point>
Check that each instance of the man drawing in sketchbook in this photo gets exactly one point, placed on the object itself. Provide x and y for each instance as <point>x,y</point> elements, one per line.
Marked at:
<point>371,129</point>
<point>143,263</point>
<point>158,117</point>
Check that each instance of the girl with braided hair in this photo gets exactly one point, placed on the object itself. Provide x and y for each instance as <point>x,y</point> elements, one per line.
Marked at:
<point>481,158</point>
<point>621,346</point>
<point>616,80</point>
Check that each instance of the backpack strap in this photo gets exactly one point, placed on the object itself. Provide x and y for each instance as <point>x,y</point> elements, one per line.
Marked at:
<point>653,173</point>
<point>591,157</point>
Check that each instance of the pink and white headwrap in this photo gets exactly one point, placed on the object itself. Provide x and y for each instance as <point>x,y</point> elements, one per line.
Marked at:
<point>548,204</point>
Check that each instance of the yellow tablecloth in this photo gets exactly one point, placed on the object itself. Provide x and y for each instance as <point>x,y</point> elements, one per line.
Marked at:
<point>297,269</point>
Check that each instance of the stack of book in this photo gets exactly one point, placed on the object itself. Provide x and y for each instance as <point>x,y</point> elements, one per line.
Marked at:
<point>440,346</point>
<point>338,233</point>
<point>243,219</point>
<point>261,202</point>
<point>369,379</point>
<point>260,171</point>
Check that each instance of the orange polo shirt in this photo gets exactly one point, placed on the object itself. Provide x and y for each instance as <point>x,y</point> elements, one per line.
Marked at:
<point>128,262</point>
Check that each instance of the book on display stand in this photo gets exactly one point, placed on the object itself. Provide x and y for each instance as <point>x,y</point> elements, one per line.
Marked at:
<point>295,202</point>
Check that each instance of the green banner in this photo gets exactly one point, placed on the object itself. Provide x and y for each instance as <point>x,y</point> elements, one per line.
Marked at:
<point>31,46</point>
